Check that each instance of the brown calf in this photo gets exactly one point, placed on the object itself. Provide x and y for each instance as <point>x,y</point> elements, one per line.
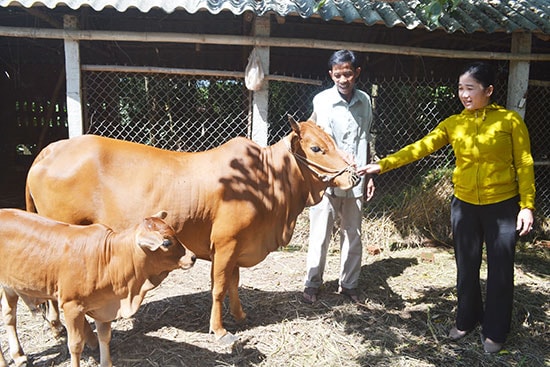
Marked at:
<point>88,270</point>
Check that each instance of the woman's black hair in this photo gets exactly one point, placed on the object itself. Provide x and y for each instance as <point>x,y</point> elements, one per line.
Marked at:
<point>341,57</point>
<point>482,72</point>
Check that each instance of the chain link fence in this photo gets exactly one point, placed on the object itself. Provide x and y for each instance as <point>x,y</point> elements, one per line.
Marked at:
<point>537,116</point>
<point>194,113</point>
<point>166,111</point>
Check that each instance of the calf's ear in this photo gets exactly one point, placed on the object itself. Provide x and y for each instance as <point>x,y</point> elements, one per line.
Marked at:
<point>162,214</point>
<point>149,240</point>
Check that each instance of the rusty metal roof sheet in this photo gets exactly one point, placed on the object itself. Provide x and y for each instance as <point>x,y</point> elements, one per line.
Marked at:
<point>471,15</point>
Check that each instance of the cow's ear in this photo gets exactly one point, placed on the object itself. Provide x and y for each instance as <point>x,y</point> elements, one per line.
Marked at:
<point>161,215</point>
<point>294,124</point>
<point>313,117</point>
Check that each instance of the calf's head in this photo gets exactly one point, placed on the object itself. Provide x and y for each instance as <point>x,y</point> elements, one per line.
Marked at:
<point>154,235</point>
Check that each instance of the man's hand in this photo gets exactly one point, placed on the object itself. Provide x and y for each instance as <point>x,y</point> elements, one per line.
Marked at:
<point>369,189</point>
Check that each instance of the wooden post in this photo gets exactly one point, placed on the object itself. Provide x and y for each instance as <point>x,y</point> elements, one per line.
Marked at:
<point>518,76</point>
<point>260,98</point>
<point>72,71</point>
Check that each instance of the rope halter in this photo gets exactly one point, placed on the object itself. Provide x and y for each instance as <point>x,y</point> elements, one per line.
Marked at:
<point>330,174</point>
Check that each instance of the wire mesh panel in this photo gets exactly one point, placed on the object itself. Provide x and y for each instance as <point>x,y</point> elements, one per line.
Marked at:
<point>172,112</point>
<point>406,110</point>
<point>289,99</point>
<point>536,117</point>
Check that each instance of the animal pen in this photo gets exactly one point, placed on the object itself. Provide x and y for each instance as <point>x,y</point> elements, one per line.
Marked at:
<point>174,78</point>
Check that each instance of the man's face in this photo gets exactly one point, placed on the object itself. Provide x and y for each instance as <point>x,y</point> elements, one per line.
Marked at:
<point>344,77</point>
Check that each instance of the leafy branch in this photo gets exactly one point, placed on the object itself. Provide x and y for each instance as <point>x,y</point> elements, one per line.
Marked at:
<point>435,9</point>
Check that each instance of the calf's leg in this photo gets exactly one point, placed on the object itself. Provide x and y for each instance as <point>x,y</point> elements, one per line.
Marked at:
<point>9,313</point>
<point>104,336</point>
<point>51,314</point>
<point>91,337</point>
<point>76,336</point>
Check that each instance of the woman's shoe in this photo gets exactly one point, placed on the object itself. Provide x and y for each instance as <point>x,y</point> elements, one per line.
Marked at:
<point>490,346</point>
<point>456,334</point>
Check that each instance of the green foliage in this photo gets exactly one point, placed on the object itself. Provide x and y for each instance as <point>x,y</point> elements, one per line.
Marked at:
<point>319,5</point>
<point>435,9</point>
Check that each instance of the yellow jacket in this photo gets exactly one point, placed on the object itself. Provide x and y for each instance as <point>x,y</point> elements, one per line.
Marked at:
<point>492,151</point>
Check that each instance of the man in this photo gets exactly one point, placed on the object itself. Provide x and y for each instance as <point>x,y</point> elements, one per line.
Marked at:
<point>346,114</point>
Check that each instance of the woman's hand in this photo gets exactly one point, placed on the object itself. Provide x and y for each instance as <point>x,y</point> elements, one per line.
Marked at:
<point>525,221</point>
<point>369,169</point>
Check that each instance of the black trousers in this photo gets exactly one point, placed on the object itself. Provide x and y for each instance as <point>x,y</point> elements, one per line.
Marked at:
<point>494,225</point>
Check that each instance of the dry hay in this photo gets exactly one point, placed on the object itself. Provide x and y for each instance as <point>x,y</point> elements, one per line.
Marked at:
<point>409,307</point>
<point>424,214</point>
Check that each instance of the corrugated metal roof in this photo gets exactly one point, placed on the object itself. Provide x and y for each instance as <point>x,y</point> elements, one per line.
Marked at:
<point>471,15</point>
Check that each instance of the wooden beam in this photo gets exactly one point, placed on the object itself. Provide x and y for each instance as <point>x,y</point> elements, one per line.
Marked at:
<point>260,98</point>
<point>194,72</point>
<point>45,17</point>
<point>261,41</point>
<point>72,72</point>
<point>518,76</point>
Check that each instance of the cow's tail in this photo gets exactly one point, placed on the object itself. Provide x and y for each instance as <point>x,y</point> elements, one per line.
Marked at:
<point>29,201</point>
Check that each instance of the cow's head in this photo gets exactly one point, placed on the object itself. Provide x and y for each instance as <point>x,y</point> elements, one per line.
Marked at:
<point>316,150</point>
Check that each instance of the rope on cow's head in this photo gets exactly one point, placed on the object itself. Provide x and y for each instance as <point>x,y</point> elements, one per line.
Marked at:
<point>354,179</point>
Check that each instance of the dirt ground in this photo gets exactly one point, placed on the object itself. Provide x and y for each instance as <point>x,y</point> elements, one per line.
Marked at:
<point>408,306</point>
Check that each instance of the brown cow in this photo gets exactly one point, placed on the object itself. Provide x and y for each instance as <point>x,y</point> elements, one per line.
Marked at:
<point>233,204</point>
<point>88,270</point>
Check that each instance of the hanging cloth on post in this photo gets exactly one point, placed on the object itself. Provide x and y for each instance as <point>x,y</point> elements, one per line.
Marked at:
<point>254,73</point>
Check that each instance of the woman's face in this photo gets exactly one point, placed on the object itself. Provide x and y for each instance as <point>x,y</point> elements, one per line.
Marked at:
<point>472,93</point>
<point>344,76</point>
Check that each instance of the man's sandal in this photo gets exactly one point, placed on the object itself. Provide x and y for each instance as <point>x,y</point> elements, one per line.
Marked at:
<point>351,293</point>
<point>310,295</point>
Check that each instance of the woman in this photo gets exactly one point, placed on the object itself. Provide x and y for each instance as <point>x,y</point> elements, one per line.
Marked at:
<point>493,202</point>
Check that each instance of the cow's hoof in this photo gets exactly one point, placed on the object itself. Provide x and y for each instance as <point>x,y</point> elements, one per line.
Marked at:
<point>58,330</point>
<point>228,339</point>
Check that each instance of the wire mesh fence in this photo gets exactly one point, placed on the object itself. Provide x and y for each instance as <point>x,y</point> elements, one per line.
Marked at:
<point>193,113</point>
<point>166,111</point>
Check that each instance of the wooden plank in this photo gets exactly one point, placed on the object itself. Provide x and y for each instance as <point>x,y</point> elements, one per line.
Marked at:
<point>193,72</point>
<point>260,98</point>
<point>72,72</point>
<point>518,76</point>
